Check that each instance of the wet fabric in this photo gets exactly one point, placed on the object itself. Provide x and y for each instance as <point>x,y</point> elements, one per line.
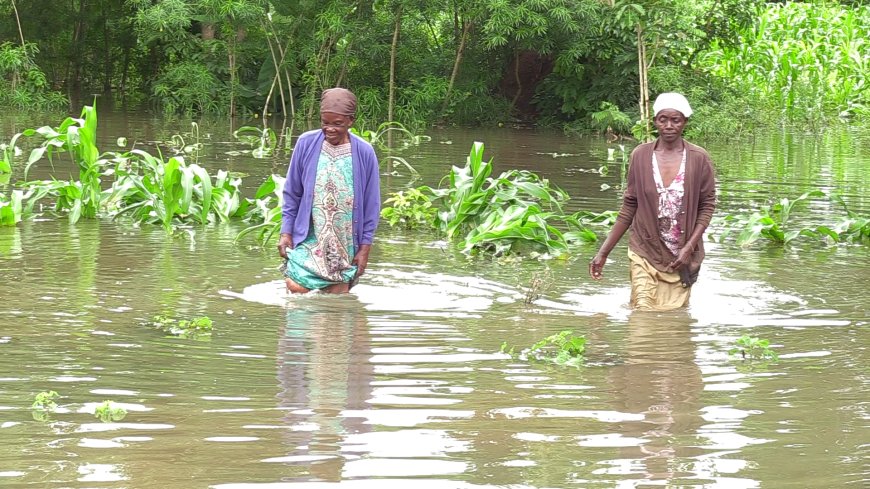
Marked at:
<point>654,290</point>
<point>298,193</point>
<point>640,206</point>
<point>670,203</point>
<point>324,257</point>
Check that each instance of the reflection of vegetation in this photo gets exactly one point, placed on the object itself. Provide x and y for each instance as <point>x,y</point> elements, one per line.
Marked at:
<point>195,328</point>
<point>108,412</point>
<point>563,348</point>
<point>773,223</point>
<point>752,348</point>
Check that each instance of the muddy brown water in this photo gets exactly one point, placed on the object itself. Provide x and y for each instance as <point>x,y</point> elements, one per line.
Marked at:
<point>401,384</point>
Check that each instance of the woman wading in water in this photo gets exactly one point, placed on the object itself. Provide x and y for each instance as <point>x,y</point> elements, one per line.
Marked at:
<point>669,199</point>
<point>332,202</point>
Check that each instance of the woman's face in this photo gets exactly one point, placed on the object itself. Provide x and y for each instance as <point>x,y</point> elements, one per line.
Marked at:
<point>670,123</point>
<point>335,127</point>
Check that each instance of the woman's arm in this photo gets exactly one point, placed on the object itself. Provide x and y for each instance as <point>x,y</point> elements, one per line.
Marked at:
<point>372,198</point>
<point>623,222</point>
<point>292,196</point>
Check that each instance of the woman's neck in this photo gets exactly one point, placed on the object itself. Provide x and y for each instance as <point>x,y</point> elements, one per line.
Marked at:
<point>676,145</point>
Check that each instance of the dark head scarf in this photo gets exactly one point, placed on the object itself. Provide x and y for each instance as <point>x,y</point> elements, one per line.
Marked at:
<point>338,101</point>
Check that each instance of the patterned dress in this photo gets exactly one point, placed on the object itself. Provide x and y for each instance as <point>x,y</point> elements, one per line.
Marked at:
<point>670,204</point>
<point>324,257</point>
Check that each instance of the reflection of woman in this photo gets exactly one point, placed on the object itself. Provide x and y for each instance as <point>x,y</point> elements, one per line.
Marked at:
<point>331,202</point>
<point>668,202</point>
<point>323,370</point>
<point>661,381</point>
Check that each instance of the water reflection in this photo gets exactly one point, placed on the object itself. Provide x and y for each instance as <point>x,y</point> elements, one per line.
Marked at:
<point>323,372</point>
<point>660,380</point>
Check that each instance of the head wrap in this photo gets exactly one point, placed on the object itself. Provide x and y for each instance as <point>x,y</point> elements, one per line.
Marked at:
<point>671,100</point>
<point>338,101</point>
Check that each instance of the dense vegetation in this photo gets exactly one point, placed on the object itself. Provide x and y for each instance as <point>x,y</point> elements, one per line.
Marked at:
<point>581,64</point>
<point>513,213</point>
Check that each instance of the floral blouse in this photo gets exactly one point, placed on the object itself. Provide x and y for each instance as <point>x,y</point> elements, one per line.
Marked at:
<point>670,204</point>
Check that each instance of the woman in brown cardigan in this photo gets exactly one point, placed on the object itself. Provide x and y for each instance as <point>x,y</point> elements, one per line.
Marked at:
<point>668,202</point>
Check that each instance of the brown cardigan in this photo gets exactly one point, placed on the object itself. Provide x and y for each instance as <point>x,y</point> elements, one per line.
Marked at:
<point>640,205</point>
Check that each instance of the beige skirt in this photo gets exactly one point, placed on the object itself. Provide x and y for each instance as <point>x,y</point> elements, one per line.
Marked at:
<point>654,290</point>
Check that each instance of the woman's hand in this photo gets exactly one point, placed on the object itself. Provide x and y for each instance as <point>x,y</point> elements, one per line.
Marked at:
<point>596,266</point>
<point>284,242</point>
<point>361,259</point>
<point>684,257</point>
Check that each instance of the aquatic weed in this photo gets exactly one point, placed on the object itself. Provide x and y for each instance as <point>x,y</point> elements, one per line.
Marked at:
<point>108,412</point>
<point>752,348</point>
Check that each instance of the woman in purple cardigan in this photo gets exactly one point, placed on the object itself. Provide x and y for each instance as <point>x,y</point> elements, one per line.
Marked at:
<point>669,199</point>
<point>332,202</point>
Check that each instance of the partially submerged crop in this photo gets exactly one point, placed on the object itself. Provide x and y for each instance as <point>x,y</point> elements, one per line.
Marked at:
<point>563,348</point>
<point>195,328</point>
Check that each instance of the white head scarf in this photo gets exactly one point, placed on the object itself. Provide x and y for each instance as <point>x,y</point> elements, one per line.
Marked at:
<point>672,100</point>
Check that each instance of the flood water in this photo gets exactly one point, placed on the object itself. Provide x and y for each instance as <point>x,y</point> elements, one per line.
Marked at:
<point>401,384</point>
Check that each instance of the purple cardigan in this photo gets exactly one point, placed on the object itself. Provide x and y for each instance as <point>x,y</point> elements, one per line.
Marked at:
<point>299,188</point>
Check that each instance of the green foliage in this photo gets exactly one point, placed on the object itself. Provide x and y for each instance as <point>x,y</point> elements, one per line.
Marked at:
<point>410,209</point>
<point>563,348</point>
<point>11,208</point>
<point>145,188</point>
<point>774,223</point>
<point>23,85</point>
<point>172,192</point>
<point>195,328</point>
<point>515,212</point>
<point>108,412</point>
<point>190,88</point>
<point>391,131</point>
<point>266,208</point>
<point>805,61</point>
<point>753,348</point>
<point>610,118</point>
<point>77,138</point>
<point>263,142</point>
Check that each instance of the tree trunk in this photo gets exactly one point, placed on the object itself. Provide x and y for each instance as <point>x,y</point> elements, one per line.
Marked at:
<point>393,51</point>
<point>278,79</point>
<point>231,55</point>
<point>459,50</point>
<point>643,100</point>
<point>18,21</point>
<point>519,81</point>
<point>108,65</point>
<point>207,31</point>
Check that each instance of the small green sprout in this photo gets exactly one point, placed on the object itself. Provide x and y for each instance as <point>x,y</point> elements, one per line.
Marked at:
<point>108,412</point>
<point>45,401</point>
<point>753,349</point>
<point>195,328</point>
<point>563,348</point>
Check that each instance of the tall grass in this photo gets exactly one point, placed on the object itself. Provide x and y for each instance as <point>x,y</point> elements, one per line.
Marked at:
<point>807,60</point>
